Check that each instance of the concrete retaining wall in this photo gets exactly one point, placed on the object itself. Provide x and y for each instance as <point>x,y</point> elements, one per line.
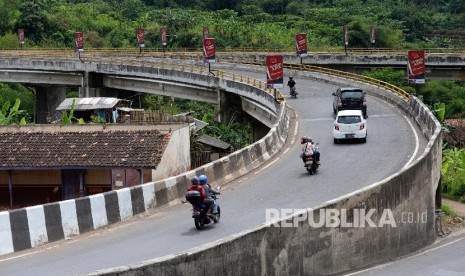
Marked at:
<point>310,250</point>
<point>30,227</point>
<point>176,157</point>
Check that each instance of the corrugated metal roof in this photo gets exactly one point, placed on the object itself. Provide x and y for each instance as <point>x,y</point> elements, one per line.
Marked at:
<point>199,124</point>
<point>214,142</point>
<point>88,103</point>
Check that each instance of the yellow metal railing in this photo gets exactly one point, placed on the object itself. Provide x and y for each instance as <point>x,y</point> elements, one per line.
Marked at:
<point>169,65</point>
<point>310,68</point>
<point>149,51</point>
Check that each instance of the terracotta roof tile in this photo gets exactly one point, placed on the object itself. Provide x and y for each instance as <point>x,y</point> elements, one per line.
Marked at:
<point>116,148</point>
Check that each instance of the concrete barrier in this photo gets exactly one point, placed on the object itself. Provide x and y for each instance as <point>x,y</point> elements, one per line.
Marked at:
<point>273,249</point>
<point>33,226</point>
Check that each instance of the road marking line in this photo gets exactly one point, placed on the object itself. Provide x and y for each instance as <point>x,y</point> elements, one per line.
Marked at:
<point>318,119</point>
<point>417,144</point>
<point>20,256</point>
<point>295,132</point>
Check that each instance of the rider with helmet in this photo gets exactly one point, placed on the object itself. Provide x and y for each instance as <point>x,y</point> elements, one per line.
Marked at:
<point>196,186</point>
<point>209,201</point>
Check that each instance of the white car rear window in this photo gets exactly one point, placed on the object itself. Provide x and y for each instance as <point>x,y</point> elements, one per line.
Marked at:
<point>349,119</point>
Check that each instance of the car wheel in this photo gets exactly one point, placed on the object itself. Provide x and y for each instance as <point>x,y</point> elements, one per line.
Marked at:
<point>336,141</point>
<point>364,140</point>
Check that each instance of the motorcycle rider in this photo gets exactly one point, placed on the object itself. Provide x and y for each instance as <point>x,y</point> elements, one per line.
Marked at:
<point>197,187</point>
<point>209,201</point>
<point>291,83</point>
<point>309,148</point>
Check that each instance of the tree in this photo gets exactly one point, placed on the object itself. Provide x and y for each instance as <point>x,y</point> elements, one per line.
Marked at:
<point>9,13</point>
<point>32,20</point>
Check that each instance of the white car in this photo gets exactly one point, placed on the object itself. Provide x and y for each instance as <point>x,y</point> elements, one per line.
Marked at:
<point>350,124</point>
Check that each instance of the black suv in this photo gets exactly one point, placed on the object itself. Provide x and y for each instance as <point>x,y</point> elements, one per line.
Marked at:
<point>350,98</point>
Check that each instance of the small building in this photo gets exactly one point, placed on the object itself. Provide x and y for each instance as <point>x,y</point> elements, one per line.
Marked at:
<point>106,109</point>
<point>214,147</point>
<point>47,163</point>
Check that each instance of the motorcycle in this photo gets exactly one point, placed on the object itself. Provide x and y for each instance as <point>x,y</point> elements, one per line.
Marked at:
<point>293,92</point>
<point>199,210</point>
<point>310,164</point>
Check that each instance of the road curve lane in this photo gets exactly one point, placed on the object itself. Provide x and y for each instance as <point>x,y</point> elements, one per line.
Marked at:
<point>444,258</point>
<point>283,183</point>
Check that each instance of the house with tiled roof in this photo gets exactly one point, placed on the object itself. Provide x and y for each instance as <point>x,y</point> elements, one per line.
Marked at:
<point>46,163</point>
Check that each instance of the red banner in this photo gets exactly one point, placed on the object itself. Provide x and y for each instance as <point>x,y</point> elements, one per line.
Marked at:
<point>205,32</point>
<point>274,71</point>
<point>416,66</point>
<point>140,37</point>
<point>209,50</point>
<point>301,44</point>
<point>21,36</point>
<point>79,41</point>
<point>163,32</point>
<point>346,35</point>
<point>372,34</point>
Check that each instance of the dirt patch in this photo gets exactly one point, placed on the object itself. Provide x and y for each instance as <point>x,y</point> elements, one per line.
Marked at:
<point>451,224</point>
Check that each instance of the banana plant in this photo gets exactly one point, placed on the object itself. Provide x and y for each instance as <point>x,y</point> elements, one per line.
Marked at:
<point>67,119</point>
<point>11,115</point>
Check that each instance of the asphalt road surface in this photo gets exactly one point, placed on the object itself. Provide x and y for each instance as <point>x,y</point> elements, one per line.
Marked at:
<point>444,258</point>
<point>282,183</point>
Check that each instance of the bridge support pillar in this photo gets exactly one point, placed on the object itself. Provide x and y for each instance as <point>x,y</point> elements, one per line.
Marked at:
<point>229,105</point>
<point>92,85</point>
<point>47,100</point>
<point>259,130</point>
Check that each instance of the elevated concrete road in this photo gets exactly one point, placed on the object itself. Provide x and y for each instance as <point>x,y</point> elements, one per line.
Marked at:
<point>282,183</point>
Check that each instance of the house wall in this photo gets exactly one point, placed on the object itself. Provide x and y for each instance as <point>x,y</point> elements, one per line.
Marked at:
<point>97,181</point>
<point>176,158</point>
<point>33,178</point>
<point>30,187</point>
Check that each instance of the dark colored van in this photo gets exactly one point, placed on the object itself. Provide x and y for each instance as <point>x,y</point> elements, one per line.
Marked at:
<point>350,98</point>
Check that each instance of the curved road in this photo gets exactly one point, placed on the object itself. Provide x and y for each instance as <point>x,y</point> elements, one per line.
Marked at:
<point>443,258</point>
<point>282,183</point>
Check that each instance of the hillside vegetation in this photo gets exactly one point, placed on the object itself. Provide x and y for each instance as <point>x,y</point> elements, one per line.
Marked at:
<point>235,23</point>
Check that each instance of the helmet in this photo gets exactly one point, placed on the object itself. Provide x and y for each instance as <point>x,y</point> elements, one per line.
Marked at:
<point>203,179</point>
<point>303,140</point>
<point>195,180</point>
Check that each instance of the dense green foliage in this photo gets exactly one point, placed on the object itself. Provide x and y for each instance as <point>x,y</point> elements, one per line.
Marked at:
<point>235,23</point>
<point>433,92</point>
<point>12,114</point>
<point>453,173</point>
<point>11,93</point>
<point>234,132</point>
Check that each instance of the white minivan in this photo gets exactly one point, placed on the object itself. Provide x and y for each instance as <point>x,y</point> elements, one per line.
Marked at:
<point>350,124</point>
